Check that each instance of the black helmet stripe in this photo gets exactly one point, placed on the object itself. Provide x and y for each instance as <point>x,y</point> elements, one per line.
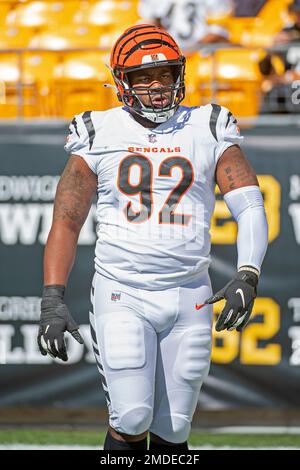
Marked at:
<point>129,32</point>
<point>144,43</point>
<point>142,34</point>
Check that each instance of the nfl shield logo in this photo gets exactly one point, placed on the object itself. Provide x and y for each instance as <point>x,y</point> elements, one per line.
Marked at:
<point>115,296</point>
<point>152,138</point>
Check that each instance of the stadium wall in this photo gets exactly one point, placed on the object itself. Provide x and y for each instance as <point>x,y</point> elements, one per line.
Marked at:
<point>259,368</point>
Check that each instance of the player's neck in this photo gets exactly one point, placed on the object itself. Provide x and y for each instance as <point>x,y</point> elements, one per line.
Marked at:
<point>143,121</point>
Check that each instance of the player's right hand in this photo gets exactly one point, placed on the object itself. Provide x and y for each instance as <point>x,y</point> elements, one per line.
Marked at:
<point>54,321</point>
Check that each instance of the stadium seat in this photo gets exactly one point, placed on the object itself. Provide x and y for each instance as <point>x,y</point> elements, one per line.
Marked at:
<point>42,14</point>
<point>79,84</point>
<point>79,36</point>
<point>232,78</point>
<point>19,92</point>
<point>221,19</point>
<point>274,9</point>
<point>12,37</point>
<point>39,68</point>
<point>63,83</point>
<point>259,31</point>
<point>4,10</point>
<point>109,13</point>
<point>109,37</point>
<point>252,32</point>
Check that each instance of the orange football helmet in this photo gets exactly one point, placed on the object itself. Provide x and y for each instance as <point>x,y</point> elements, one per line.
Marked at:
<point>140,47</point>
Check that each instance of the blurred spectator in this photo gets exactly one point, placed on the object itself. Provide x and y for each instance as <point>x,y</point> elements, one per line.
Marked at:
<point>186,20</point>
<point>278,87</point>
<point>289,36</point>
<point>292,32</point>
<point>248,8</point>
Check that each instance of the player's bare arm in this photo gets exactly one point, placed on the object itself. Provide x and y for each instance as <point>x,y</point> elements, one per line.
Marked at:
<point>234,171</point>
<point>75,192</point>
<point>239,185</point>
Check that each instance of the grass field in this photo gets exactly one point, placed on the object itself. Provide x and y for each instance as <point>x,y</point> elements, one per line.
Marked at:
<point>94,438</point>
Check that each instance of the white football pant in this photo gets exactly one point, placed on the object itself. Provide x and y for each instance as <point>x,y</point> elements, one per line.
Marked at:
<point>153,352</point>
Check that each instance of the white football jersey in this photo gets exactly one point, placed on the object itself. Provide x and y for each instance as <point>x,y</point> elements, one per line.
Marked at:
<point>156,190</point>
<point>186,20</point>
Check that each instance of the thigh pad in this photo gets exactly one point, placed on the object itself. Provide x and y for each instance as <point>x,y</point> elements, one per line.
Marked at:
<point>124,342</point>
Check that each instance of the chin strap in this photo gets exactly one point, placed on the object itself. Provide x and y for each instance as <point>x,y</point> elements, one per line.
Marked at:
<point>159,118</point>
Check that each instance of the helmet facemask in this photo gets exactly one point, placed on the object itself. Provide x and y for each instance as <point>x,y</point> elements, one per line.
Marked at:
<point>156,113</point>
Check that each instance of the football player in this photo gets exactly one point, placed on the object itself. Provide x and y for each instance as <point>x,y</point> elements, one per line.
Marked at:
<point>153,165</point>
<point>187,20</point>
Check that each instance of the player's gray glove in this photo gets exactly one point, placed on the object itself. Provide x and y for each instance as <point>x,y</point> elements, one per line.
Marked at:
<point>240,294</point>
<point>55,320</point>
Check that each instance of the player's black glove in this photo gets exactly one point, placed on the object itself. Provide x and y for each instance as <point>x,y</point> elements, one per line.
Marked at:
<point>240,294</point>
<point>55,320</point>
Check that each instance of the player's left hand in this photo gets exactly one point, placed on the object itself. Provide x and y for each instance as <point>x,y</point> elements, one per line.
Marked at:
<point>240,294</point>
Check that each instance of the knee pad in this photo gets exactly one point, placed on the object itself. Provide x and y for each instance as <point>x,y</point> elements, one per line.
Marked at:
<point>135,421</point>
<point>181,429</point>
<point>173,428</point>
<point>124,342</point>
<point>193,357</point>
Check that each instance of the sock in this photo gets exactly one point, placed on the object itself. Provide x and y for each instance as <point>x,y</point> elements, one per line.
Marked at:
<point>168,449</point>
<point>111,443</point>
